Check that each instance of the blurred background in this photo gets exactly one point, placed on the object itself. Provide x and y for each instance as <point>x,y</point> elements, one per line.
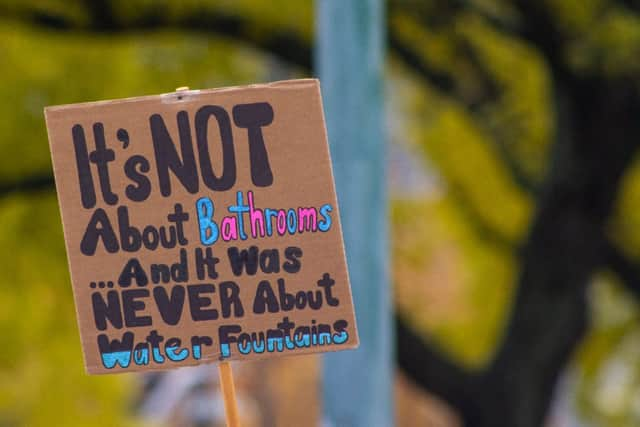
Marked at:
<point>512,129</point>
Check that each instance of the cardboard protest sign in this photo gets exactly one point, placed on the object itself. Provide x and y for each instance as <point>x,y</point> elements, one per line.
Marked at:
<point>202,226</point>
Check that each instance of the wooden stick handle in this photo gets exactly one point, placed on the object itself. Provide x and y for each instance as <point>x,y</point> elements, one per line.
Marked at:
<point>229,394</point>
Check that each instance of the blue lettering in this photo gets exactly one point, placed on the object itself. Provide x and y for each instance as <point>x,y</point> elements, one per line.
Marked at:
<point>122,358</point>
<point>208,228</point>
<point>325,224</point>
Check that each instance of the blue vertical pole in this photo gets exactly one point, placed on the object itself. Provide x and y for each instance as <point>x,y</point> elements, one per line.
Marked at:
<point>358,385</point>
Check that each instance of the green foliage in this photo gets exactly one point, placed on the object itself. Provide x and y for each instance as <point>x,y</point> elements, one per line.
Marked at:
<point>42,380</point>
<point>447,280</point>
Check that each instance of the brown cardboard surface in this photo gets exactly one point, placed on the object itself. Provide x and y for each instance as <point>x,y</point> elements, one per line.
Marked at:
<point>125,219</point>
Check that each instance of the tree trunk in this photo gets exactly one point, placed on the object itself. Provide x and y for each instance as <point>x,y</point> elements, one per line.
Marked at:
<point>597,136</point>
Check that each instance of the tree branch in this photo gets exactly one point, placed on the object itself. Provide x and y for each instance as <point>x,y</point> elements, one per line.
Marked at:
<point>284,43</point>
<point>441,81</point>
<point>632,5</point>
<point>523,180</point>
<point>442,13</point>
<point>474,103</point>
<point>29,184</point>
<point>539,30</point>
<point>626,269</point>
<point>431,370</point>
<point>492,92</point>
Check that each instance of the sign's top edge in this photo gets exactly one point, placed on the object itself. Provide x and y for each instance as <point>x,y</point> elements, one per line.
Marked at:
<point>186,95</point>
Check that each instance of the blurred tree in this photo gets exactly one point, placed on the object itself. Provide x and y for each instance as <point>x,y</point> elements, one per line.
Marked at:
<point>487,55</point>
<point>528,113</point>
